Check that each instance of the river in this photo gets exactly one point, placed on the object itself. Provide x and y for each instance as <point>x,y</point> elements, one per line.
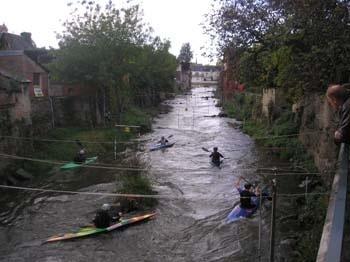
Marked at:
<point>190,222</point>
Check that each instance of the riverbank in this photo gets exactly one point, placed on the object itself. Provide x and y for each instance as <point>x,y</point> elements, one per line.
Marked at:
<point>298,218</point>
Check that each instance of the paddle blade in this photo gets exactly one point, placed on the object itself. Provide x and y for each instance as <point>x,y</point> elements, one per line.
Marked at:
<point>205,149</point>
<point>170,136</point>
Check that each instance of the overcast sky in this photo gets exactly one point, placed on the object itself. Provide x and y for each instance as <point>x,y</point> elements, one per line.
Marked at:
<point>177,20</point>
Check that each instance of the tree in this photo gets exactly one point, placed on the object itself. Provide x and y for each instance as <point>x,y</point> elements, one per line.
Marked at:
<point>113,51</point>
<point>300,46</point>
<point>186,54</point>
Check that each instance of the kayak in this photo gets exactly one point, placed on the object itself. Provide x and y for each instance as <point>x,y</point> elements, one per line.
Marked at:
<point>72,165</point>
<point>88,231</point>
<point>217,164</point>
<point>238,212</point>
<point>159,146</point>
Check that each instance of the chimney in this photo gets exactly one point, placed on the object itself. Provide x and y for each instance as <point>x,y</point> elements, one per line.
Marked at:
<point>27,37</point>
<point>3,28</point>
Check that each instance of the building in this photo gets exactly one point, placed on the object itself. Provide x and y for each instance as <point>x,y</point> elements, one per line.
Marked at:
<point>19,64</point>
<point>229,83</point>
<point>183,76</point>
<point>205,74</point>
<point>20,58</point>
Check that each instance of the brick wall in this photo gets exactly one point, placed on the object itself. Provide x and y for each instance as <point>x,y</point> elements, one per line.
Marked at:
<point>22,66</point>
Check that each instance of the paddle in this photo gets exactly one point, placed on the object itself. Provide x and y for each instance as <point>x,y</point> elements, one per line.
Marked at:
<point>207,150</point>
<point>245,180</point>
<point>77,141</point>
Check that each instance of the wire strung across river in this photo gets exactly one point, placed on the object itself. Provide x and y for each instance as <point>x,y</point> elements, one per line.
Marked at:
<point>120,168</point>
<point>69,141</point>
<point>65,162</point>
<point>138,195</point>
<point>133,142</point>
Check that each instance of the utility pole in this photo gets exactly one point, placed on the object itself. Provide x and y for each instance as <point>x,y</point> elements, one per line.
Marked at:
<point>273,221</point>
<point>260,225</point>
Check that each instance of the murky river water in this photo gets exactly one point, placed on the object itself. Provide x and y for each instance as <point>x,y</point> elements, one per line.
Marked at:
<point>190,224</point>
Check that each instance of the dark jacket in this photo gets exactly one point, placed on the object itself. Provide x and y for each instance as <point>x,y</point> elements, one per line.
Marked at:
<point>215,157</point>
<point>344,122</point>
<point>245,199</point>
<point>102,219</point>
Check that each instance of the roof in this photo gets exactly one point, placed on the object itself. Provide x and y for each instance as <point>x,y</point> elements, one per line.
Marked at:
<point>11,52</point>
<point>9,76</point>
<point>34,55</point>
<point>16,42</point>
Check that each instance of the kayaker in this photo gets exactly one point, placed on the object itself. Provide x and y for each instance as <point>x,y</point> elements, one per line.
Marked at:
<point>246,193</point>
<point>128,204</point>
<point>215,157</point>
<point>103,217</point>
<point>81,156</point>
<point>163,141</point>
<point>338,98</point>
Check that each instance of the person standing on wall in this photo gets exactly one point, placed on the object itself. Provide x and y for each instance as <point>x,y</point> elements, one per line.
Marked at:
<point>338,98</point>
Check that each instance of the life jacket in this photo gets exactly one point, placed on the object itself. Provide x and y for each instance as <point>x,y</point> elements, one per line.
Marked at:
<point>79,158</point>
<point>246,199</point>
<point>215,158</point>
<point>102,219</point>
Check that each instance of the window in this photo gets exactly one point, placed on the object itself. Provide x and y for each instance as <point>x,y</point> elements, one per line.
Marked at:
<point>36,79</point>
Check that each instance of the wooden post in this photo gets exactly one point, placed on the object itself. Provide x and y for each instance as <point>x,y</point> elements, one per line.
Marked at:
<point>260,226</point>
<point>52,112</point>
<point>273,221</point>
<point>306,189</point>
<point>115,147</point>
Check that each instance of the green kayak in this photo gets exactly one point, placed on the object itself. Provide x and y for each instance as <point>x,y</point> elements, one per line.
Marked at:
<point>72,165</point>
<point>87,231</point>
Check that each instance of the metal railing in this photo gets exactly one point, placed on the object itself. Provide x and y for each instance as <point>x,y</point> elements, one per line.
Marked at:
<point>330,249</point>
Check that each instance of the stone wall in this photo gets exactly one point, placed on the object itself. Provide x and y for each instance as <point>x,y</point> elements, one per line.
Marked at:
<point>268,98</point>
<point>272,102</point>
<point>183,77</point>
<point>76,111</point>
<point>72,111</point>
<point>318,123</point>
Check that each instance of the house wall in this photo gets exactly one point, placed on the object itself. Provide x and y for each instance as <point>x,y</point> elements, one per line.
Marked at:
<point>22,106</point>
<point>22,66</point>
<point>15,121</point>
<point>202,76</point>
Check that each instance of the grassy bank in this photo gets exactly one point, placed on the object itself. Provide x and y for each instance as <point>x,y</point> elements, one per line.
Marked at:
<point>277,133</point>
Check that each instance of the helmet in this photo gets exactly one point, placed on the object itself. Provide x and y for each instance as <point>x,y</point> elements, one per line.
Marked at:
<point>163,137</point>
<point>215,148</point>
<point>247,186</point>
<point>105,207</point>
<point>82,152</point>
